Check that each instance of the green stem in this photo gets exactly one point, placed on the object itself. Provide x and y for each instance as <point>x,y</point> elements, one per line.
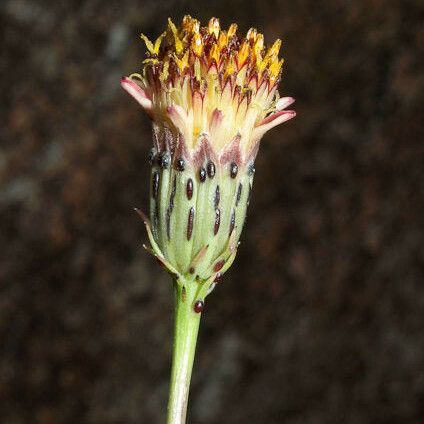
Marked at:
<point>185,337</point>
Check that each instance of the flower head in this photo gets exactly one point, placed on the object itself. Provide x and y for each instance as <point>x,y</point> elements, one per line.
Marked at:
<point>218,90</point>
<point>212,95</point>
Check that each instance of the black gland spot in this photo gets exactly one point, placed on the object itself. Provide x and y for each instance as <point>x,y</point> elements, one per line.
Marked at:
<point>217,221</point>
<point>180,164</point>
<point>151,156</point>
<point>217,197</point>
<point>202,175</point>
<point>218,278</point>
<point>198,306</point>
<point>190,222</point>
<point>251,169</point>
<point>250,194</point>
<point>189,189</point>
<point>239,190</point>
<point>211,169</point>
<point>155,184</point>
<point>183,294</point>
<point>233,170</point>
<point>232,221</point>
<point>164,160</point>
<point>191,270</point>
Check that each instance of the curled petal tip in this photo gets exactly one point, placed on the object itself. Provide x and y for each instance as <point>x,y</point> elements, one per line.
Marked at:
<point>284,102</point>
<point>277,118</point>
<point>272,121</point>
<point>137,92</point>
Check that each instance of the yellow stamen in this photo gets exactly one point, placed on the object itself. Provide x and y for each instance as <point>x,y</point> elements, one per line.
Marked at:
<point>275,67</point>
<point>258,48</point>
<point>151,60</point>
<point>252,34</point>
<point>148,43</point>
<point>178,44</point>
<point>158,42</point>
<point>243,53</point>
<point>165,72</point>
<point>270,56</point>
<point>275,49</point>
<point>230,67</point>
<point>259,43</point>
<point>183,62</point>
<point>197,70</point>
<point>190,24</point>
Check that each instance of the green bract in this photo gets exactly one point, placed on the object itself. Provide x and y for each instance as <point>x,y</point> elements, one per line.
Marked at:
<point>197,212</point>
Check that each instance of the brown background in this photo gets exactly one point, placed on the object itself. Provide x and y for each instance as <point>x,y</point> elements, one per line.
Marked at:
<point>320,320</point>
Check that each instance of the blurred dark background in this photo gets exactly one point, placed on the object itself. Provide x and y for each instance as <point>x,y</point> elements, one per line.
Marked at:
<point>320,319</point>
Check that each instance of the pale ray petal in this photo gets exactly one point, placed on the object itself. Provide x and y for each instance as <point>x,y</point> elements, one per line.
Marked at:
<point>283,103</point>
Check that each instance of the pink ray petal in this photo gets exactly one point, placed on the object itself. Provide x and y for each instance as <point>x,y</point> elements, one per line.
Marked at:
<point>216,120</point>
<point>137,92</point>
<point>272,121</point>
<point>276,118</point>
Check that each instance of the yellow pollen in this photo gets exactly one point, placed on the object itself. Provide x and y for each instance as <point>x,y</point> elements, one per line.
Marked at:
<point>231,66</point>
<point>222,40</point>
<point>232,30</point>
<point>233,55</point>
<point>165,72</point>
<point>243,53</point>
<point>252,34</point>
<point>197,70</point>
<point>197,44</point>
<point>257,49</point>
<point>195,26</point>
<point>183,62</point>
<point>214,53</point>
<point>259,43</point>
<point>177,42</point>
<point>153,48</point>
<point>275,49</point>
<point>214,27</point>
<point>187,22</point>
<point>275,67</point>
